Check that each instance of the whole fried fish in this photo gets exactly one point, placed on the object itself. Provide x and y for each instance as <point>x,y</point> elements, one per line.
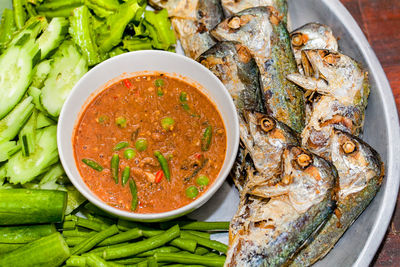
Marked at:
<point>234,65</point>
<point>338,91</point>
<point>267,231</point>
<point>312,36</point>
<point>360,172</point>
<point>234,6</point>
<point>262,32</point>
<point>192,20</point>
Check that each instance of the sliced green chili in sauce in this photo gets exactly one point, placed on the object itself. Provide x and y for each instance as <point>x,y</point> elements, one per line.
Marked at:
<point>93,164</point>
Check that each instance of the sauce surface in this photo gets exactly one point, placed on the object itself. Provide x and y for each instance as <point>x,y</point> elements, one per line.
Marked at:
<point>159,113</point>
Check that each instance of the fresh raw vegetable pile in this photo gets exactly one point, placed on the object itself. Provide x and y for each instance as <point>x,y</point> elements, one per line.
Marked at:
<point>45,48</point>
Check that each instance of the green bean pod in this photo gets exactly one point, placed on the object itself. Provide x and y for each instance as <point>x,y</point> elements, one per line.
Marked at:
<point>213,244</point>
<point>189,259</point>
<point>115,167</point>
<point>206,138</point>
<point>125,175</point>
<point>132,186</point>
<point>164,164</point>
<point>94,240</point>
<point>93,164</point>
<point>122,237</point>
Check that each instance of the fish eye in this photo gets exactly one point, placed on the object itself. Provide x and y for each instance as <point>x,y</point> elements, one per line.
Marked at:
<point>234,23</point>
<point>348,147</point>
<point>304,160</point>
<point>267,124</point>
<point>297,39</point>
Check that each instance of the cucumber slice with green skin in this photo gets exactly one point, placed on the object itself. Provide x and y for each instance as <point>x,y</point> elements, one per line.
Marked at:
<point>22,169</point>
<point>26,206</point>
<point>27,135</point>
<point>49,251</point>
<point>35,94</point>
<point>53,174</point>
<point>5,248</point>
<point>41,71</point>
<point>16,67</point>
<point>25,234</point>
<point>52,36</point>
<point>7,149</point>
<point>43,121</point>
<point>67,68</point>
<point>15,120</point>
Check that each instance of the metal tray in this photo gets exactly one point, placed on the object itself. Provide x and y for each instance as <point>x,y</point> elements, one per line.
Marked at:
<point>360,243</point>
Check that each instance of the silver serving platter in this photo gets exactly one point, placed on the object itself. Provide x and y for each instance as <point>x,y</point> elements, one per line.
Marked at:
<point>360,243</point>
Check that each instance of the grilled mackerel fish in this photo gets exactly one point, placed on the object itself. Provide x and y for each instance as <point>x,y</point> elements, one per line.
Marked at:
<point>263,33</point>
<point>312,36</point>
<point>234,6</point>
<point>267,231</point>
<point>360,171</point>
<point>234,65</point>
<point>338,91</point>
<point>192,20</point>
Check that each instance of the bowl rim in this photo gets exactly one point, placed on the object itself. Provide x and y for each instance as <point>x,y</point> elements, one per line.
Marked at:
<point>197,203</point>
<point>392,120</point>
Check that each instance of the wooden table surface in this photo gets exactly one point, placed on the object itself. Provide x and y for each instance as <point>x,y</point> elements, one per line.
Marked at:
<point>380,22</point>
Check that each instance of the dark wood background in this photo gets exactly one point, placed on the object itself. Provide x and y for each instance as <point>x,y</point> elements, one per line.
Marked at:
<point>380,22</point>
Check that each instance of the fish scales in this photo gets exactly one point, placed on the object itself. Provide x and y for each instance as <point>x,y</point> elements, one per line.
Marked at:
<point>262,32</point>
<point>360,171</point>
<point>192,20</point>
<point>267,231</point>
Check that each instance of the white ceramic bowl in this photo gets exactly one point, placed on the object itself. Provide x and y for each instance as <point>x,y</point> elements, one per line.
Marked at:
<point>124,66</point>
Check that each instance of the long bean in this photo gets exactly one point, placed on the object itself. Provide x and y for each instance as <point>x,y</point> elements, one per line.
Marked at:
<point>201,251</point>
<point>206,138</point>
<point>5,248</point>
<point>164,164</point>
<point>95,261</point>
<point>166,249</point>
<point>142,264</point>
<point>125,175</point>
<point>201,234</point>
<point>124,225</point>
<point>90,224</point>
<point>115,167</point>
<point>19,13</point>
<point>189,259</point>
<point>68,225</point>
<point>122,237</point>
<point>78,233</point>
<point>142,246</point>
<point>94,240</point>
<point>151,262</point>
<point>93,164</point>
<point>213,244</point>
<point>94,209</point>
<point>78,261</point>
<point>185,244</point>
<point>199,226</point>
<point>130,260</point>
<point>132,187</point>
<point>101,249</point>
<point>75,240</point>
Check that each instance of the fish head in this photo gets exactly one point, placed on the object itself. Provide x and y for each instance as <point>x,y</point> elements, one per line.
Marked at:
<point>265,138</point>
<point>332,73</point>
<point>312,36</point>
<point>234,65</point>
<point>358,164</point>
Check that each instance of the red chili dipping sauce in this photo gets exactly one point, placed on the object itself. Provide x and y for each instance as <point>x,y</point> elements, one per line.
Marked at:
<point>149,144</point>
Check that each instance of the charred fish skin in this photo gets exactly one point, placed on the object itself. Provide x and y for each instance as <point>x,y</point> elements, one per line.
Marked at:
<point>312,36</point>
<point>233,64</point>
<point>192,20</point>
<point>274,228</point>
<point>231,7</point>
<point>360,171</point>
<point>338,89</point>
<point>262,32</point>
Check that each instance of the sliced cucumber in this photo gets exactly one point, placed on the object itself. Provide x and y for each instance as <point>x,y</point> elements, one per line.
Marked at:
<point>41,71</point>
<point>43,121</point>
<point>22,169</point>
<point>35,94</point>
<point>13,122</point>
<point>53,36</point>
<point>7,149</point>
<point>67,68</point>
<point>27,135</point>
